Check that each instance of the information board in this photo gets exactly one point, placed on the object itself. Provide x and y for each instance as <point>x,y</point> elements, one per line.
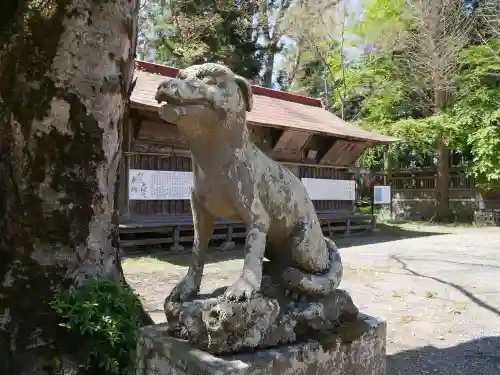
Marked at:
<point>174,185</point>
<point>327,189</point>
<point>381,194</point>
<point>159,185</point>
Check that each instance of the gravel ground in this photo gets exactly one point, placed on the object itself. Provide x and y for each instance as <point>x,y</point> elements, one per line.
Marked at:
<point>437,288</point>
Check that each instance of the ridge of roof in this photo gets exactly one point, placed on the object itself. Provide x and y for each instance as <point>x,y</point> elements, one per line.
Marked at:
<point>258,90</point>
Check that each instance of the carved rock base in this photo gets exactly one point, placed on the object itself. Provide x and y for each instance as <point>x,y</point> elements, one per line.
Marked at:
<point>220,327</point>
<point>353,348</point>
<point>276,316</point>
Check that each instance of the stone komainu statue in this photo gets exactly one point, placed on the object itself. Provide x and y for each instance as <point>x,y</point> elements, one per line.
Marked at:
<point>234,179</point>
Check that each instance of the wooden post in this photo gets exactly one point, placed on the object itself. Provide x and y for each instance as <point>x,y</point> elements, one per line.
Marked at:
<point>390,205</point>
<point>229,232</point>
<point>229,244</point>
<point>372,196</point>
<point>357,193</point>
<point>177,247</point>
<point>123,168</point>
<point>388,175</point>
<point>348,227</point>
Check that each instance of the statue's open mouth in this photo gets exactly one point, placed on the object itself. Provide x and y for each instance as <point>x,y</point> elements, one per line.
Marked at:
<point>174,100</point>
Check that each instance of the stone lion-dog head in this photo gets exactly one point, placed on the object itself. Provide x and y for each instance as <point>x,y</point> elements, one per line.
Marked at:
<point>205,100</point>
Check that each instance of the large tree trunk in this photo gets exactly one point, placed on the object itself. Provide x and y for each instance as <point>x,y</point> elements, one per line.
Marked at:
<point>270,43</point>
<point>66,70</point>
<point>442,204</point>
<point>267,79</point>
<point>442,211</point>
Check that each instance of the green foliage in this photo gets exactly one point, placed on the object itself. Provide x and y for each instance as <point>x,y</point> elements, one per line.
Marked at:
<point>475,117</point>
<point>99,323</point>
<point>381,95</point>
<point>385,93</point>
<point>197,31</point>
<point>382,20</point>
<point>418,81</point>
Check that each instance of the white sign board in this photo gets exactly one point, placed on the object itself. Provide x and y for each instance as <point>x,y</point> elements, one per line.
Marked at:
<point>172,185</point>
<point>159,185</point>
<point>381,195</point>
<point>326,189</point>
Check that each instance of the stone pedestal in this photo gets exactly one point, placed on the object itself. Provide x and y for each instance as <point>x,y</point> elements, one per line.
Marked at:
<point>354,349</point>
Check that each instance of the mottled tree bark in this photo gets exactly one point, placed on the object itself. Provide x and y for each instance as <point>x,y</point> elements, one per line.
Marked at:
<point>66,70</point>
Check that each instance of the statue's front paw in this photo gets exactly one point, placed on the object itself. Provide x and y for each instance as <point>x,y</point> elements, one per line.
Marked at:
<point>241,290</point>
<point>185,290</point>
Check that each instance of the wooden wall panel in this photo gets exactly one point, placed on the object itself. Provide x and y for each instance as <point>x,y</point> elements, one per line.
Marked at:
<point>141,147</point>
<point>321,144</point>
<point>328,173</point>
<point>491,200</point>
<point>156,145</point>
<point>343,153</point>
<point>291,143</point>
<point>165,163</point>
<point>349,158</point>
<point>262,138</point>
<point>334,152</point>
<point>289,146</point>
<point>160,132</point>
<point>183,163</point>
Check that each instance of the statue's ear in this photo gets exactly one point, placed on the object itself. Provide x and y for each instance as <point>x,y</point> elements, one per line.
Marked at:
<point>246,90</point>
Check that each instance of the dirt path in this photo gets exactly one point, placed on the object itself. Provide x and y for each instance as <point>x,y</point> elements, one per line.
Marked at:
<point>438,288</point>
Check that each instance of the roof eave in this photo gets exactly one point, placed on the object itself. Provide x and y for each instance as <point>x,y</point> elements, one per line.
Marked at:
<point>377,138</point>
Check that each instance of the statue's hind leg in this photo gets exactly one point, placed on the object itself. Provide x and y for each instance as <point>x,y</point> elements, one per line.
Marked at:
<point>304,282</point>
<point>308,249</point>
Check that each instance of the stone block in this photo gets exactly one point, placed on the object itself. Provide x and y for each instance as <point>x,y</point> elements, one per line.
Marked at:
<point>356,348</point>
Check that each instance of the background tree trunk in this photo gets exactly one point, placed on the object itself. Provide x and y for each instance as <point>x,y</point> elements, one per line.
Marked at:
<point>66,70</point>
<point>442,211</point>
<point>269,57</point>
<point>442,204</point>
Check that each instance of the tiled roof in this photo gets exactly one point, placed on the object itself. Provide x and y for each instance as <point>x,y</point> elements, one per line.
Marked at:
<point>271,107</point>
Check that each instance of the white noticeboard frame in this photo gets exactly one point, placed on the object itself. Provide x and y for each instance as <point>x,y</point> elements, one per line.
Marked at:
<point>327,189</point>
<point>381,194</point>
<point>159,185</point>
